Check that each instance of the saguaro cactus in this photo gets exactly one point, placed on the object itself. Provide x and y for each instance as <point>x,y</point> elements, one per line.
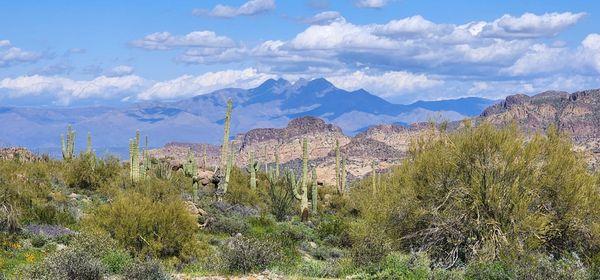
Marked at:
<point>337,167</point>
<point>223,180</point>
<point>315,192</point>
<point>225,146</point>
<point>190,167</point>
<point>145,163</point>
<point>303,197</point>
<point>252,168</point>
<point>68,144</point>
<point>134,158</point>
<point>344,186</point>
<point>88,147</point>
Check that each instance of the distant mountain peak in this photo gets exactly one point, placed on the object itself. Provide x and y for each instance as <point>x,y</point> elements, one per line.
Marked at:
<point>271,84</point>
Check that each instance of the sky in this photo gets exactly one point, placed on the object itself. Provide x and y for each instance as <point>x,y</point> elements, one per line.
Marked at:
<point>73,53</point>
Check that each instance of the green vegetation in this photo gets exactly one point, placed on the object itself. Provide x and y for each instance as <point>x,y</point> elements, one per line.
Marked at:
<point>478,203</point>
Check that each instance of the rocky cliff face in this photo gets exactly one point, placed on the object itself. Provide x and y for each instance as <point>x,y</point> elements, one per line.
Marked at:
<point>386,144</point>
<point>576,114</point>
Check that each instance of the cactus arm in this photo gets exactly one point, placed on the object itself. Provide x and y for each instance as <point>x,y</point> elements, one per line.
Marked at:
<point>294,182</point>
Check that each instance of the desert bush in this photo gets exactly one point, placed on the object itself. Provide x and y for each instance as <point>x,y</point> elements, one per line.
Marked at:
<point>334,230</point>
<point>115,261</point>
<point>87,172</point>
<point>239,191</point>
<point>227,224</point>
<point>68,264</point>
<point>281,197</point>
<point>369,251</point>
<point>243,254</point>
<point>38,241</point>
<point>146,221</point>
<point>147,270</point>
<point>482,193</point>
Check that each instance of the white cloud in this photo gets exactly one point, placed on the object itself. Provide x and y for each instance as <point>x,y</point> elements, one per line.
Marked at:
<point>249,8</point>
<point>188,85</point>
<point>340,34</point>
<point>10,55</point>
<point>371,3</point>
<point>66,90</point>
<point>166,41</point>
<point>387,84</point>
<point>530,25</point>
<point>415,25</point>
<point>324,18</point>
<point>589,53</point>
<point>120,70</point>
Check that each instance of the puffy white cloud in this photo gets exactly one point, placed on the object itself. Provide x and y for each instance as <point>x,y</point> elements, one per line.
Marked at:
<point>415,25</point>
<point>66,90</point>
<point>166,41</point>
<point>340,34</point>
<point>371,3</point>
<point>590,51</point>
<point>10,55</point>
<point>530,25</point>
<point>387,84</point>
<point>189,85</point>
<point>324,18</point>
<point>251,7</point>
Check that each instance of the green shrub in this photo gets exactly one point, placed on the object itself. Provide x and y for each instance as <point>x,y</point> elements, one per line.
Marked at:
<point>482,193</point>
<point>148,270</point>
<point>369,251</point>
<point>281,197</point>
<point>228,224</point>
<point>38,241</point>
<point>147,220</point>
<point>116,261</point>
<point>87,172</point>
<point>243,254</point>
<point>399,266</point>
<point>334,230</point>
<point>491,271</point>
<point>69,264</point>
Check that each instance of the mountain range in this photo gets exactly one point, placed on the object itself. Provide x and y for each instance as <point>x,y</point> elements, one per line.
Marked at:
<point>573,114</point>
<point>199,119</point>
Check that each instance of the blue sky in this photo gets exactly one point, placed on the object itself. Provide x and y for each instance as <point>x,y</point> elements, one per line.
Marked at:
<point>69,53</point>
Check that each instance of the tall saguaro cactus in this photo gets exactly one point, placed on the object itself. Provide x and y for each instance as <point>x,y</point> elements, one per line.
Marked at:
<point>303,196</point>
<point>315,192</point>
<point>227,126</point>
<point>337,167</point>
<point>68,144</point>
<point>134,158</point>
<point>88,147</point>
<point>252,169</point>
<point>344,186</point>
